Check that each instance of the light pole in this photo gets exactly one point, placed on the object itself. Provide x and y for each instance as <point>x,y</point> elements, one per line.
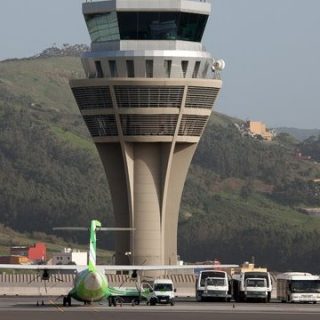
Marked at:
<point>128,254</point>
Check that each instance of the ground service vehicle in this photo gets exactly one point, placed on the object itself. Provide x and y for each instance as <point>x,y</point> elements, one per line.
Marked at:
<point>252,285</point>
<point>298,287</point>
<point>214,285</point>
<point>163,292</point>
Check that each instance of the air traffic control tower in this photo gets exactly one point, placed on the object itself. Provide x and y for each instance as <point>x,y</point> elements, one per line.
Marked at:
<point>148,93</point>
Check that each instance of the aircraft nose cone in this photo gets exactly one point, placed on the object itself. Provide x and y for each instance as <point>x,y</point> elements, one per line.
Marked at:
<point>93,281</point>
<point>94,276</point>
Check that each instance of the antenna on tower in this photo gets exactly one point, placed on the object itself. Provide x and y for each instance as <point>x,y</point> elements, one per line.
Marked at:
<point>218,65</point>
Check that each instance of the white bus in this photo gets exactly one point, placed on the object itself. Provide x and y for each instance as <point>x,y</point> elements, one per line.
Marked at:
<point>298,287</point>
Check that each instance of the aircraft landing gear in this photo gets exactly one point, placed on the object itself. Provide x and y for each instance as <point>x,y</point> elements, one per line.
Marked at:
<point>153,301</point>
<point>38,304</point>
<point>135,302</point>
<point>67,301</point>
<point>112,301</point>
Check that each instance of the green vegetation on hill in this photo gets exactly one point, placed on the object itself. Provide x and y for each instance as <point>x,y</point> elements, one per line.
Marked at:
<point>299,134</point>
<point>233,226</point>
<point>241,200</point>
<point>237,202</point>
<point>226,152</point>
<point>311,147</point>
<point>48,165</point>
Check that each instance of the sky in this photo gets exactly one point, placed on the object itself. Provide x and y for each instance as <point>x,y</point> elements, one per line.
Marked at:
<point>271,49</point>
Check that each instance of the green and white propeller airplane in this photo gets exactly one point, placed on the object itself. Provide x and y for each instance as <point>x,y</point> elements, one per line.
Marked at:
<point>91,284</point>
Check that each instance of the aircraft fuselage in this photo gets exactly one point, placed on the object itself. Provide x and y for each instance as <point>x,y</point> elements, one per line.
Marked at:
<point>90,286</point>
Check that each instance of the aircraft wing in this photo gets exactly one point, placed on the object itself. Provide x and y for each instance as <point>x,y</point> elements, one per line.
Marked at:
<point>163,267</point>
<point>42,267</point>
<point>103,268</point>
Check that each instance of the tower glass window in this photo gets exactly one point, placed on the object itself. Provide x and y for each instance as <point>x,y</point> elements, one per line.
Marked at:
<point>99,69</point>
<point>196,69</point>
<point>103,27</point>
<point>184,66</point>
<point>113,68</point>
<point>205,70</point>
<point>130,68</point>
<point>149,68</point>
<point>161,26</point>
<point>167,67</point>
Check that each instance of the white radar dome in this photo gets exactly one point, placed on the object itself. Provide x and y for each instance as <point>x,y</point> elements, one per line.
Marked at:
<point>219,65</point>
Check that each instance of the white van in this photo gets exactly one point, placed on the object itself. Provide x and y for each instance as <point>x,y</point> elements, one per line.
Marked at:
<point>163,292</point>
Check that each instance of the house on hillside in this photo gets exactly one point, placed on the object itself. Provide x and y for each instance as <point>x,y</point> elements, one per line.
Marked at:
<point>36,253</point>
<point>70,256</point>
<point>14,259</point>
<point>257,128</point>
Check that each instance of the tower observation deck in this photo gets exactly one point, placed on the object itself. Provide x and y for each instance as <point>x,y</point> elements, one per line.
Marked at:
<point>147,96</point>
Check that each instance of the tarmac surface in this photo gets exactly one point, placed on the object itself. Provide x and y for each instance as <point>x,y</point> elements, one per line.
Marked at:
<point>12,308</point>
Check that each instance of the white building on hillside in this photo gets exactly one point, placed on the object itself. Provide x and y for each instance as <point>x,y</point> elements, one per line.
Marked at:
<point>71,256</point>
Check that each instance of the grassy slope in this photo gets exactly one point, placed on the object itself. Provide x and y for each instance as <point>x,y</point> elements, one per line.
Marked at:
<point>232,228</point>
<point>38,92</point>
<point>207,200</point>
<point>45,80</point>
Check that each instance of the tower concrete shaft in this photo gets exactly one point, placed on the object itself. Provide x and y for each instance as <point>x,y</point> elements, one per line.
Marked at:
<point>147,97</point>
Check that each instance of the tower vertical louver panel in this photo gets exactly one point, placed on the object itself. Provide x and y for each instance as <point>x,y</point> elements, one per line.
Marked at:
<point>144,96</point>
<point>92,97</point>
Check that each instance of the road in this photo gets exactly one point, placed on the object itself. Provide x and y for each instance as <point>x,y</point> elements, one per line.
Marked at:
<point>12,308</point>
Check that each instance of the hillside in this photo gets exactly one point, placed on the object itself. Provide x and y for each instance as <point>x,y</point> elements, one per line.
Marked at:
<point>299,134</point>
<point>311,147</point>
<point>236,203</point>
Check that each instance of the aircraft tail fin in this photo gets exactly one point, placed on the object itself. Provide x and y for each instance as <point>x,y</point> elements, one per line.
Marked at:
<point>94,227</point>
<point>93,245</point>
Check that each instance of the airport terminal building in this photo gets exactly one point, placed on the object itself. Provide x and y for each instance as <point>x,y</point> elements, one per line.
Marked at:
<point>148,93</point>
